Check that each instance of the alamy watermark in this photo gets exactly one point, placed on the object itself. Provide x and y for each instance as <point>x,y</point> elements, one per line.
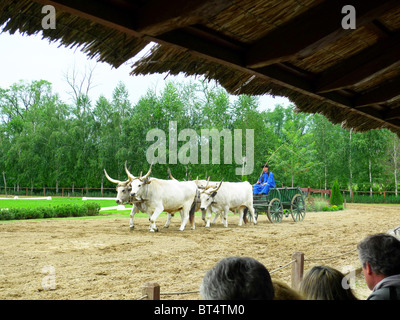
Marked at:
<point>349,20</point>
<point>49,281</point>
<point>49,20</point>
<point>349,281</point>
<point>188,152</point>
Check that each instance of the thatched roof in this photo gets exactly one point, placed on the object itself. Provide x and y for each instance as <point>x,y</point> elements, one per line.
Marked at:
<point>292,48</point>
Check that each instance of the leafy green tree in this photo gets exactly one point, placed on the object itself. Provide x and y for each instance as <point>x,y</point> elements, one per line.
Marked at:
<point>294,157</point>
<point>336,197</point>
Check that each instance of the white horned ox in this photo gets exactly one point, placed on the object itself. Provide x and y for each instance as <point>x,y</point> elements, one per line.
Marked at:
<point>124,194</point>
<point>157,195</point>
<point>228,196</point>
<point>201,185</point>
<point>123,189</point>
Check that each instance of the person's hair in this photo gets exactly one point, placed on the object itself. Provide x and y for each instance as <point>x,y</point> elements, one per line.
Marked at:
<point>283,292</point>
<point>382,251</point>
<point>324,283</point>
<point>237,278</point>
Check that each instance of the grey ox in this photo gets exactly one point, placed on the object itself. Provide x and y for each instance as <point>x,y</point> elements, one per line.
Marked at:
<point>157,195</point>
<point>227,196</point>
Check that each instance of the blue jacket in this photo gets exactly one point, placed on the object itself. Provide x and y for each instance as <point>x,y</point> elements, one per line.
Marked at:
<point>267,178</point>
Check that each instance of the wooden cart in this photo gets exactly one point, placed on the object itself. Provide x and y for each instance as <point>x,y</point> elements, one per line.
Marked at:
<point>279,202</point>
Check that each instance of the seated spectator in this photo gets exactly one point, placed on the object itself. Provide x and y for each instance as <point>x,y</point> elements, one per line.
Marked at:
<point>380,258</point>
<point>237,278</point>
<point>284,292</point>
<point>324,283</point>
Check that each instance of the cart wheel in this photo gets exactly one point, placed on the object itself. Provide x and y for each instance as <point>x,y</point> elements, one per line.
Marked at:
<point>275,211</point>
<point>298,208</point>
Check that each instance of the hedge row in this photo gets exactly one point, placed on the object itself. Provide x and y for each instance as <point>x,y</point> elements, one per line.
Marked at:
<point>69,210</point>
<point>333,208</point>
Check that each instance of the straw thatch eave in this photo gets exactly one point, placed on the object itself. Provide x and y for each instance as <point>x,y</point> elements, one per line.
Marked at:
<point>296,49</point>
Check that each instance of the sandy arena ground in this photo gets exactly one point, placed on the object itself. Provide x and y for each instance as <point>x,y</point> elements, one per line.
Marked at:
<point>102,259</point>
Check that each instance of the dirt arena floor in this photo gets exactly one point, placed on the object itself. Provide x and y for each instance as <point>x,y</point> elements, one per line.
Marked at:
<point>102,259</point>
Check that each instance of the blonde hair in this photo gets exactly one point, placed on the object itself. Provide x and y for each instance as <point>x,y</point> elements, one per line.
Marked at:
<point>324,283</point>
<point>284,292</point>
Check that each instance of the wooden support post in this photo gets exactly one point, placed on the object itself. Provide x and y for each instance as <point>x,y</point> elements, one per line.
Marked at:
<point>151,290</point>
<point>297,269</point>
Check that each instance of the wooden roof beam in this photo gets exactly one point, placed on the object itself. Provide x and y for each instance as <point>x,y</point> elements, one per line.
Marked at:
<point>384,93</point>
<point>152,18</point>
<point>311,31</point>
<point>392,114</point>
<point>100,12</point>
<point>157,17</point>
<point>362,66</point>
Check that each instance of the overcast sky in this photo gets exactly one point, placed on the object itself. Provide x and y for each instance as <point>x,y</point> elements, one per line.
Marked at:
<point>31,58</point>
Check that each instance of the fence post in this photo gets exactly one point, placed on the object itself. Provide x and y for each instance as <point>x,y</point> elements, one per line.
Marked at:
<point>297,269</point>
<point>151,290</point>
<point>344,200</point>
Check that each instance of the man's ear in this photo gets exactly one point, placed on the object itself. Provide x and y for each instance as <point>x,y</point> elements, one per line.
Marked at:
<point>368,268</point>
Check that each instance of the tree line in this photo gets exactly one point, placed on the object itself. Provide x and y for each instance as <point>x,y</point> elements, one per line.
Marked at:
<point>47,142</point>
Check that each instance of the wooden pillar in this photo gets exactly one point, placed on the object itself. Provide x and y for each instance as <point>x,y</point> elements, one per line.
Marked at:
<point>297,269</point>
<point>151,290</point>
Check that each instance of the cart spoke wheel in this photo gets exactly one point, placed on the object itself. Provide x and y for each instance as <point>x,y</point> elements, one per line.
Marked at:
<point>298,208</point>
<point>275,211</point>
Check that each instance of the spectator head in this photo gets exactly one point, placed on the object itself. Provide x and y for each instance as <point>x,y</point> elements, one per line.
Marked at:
<point>325,283</point>
<point>380,257</point>
<point>237,278</point>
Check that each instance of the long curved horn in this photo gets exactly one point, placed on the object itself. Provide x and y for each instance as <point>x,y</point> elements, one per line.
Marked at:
<point>111,179</point>
<point>207,186</point>
<point>219,185</point>
<point>147,174</point>
<point>170,174</point>
<point>130,175</point>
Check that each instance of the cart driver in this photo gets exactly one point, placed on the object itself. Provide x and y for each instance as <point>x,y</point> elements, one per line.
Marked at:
<point>265,181</point>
